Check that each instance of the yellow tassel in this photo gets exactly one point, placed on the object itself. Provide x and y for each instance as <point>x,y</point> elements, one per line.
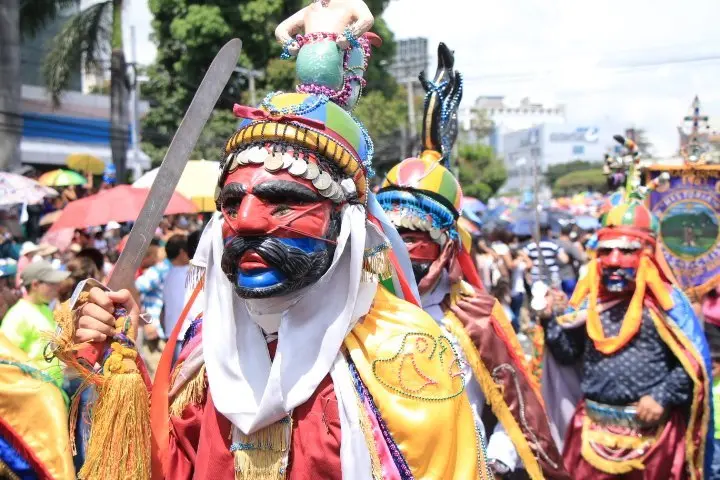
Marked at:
<point>192,393</point>
<point>6,473</point>
<point>263,455</point>
<point>376,264</point>
<point>494,397</point>
<point>119,443</point>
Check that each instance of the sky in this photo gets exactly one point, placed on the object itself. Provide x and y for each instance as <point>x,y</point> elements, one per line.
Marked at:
<point>616,63</point>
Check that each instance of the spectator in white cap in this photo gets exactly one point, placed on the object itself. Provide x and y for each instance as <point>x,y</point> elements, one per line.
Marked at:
<point>112,236</point>
<point>28,322</point>
<point>27,253</point>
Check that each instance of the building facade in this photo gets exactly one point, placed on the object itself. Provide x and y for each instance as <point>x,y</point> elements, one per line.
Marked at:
<point>504,117</point>
<point>411,57</point>
<point>550,144</point>
<point>79,124</point>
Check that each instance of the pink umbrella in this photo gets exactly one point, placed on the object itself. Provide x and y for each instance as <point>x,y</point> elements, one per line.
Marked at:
<point>61,238</point>
<point>120,204</point>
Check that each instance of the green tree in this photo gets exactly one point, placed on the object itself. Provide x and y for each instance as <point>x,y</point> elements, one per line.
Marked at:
<point>481,172</point>
<point>84,41</point>
<point>188,33</point>
<point>384,118</point>
<point>554,172</point>
<point>18,19</point>
<point>580,181</point>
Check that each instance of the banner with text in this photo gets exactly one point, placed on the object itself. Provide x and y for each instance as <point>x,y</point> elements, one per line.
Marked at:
<point>688,207</point>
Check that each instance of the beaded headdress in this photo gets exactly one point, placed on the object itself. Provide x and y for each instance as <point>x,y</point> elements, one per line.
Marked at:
<point>300,131</point>
<point>628,224</point>
<point>421,193</point>
<point>630,216</point>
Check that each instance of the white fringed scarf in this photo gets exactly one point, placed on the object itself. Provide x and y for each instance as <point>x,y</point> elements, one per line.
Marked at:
<point>254,392</point>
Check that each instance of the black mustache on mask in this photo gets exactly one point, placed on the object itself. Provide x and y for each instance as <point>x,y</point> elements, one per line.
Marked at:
<point>625,273</point>
<point>420,269</point>
<point>300,268</point>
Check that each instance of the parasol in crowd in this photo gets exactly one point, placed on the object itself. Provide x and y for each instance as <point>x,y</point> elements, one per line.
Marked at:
<point>198,183</point>
<point>62,238</point>
<point>62,178</point>
<point>523,220</point>
<point>16,189</point>
<point>86,163</point>
<point>587,223</point>
<point>472,204</point>
<point>49,218</point>
<point>119,204</point>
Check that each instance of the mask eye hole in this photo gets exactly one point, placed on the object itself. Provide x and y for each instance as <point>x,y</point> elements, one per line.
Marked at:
<point>604,251</point>
<point>281,210</point>
<point>230,209</point>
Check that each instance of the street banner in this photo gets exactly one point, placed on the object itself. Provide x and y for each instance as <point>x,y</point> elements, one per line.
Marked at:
<point>688,208</point>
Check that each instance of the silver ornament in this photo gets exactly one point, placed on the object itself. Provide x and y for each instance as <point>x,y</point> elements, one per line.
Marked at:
<point>323,181</point>
<point>298,167</point>
<point>274,162</point>
<point>313,171</point>
<point>257,155</point>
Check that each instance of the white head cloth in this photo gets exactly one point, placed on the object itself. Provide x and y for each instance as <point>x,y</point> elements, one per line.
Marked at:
<point>251,390</point>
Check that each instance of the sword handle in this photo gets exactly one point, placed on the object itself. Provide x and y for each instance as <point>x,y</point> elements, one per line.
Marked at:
<point>93,354</point>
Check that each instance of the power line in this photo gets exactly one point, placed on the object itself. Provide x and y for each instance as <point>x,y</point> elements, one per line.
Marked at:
<point>618,70</point>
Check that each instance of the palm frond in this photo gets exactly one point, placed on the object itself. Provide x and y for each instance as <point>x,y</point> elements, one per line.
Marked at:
<point>84,39</point>
<point>36,14</point>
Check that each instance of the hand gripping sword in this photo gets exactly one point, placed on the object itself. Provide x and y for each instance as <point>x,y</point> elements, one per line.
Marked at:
<point>168,176</point>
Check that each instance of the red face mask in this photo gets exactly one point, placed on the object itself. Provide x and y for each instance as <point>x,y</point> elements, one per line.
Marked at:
<point>275,231</point>
<point>618,258</point>
<point>420,246</point>
<point>618,266</point>
<point>256,202</point>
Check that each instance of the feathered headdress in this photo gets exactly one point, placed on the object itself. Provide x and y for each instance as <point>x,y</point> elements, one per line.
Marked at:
<point>442,99</point>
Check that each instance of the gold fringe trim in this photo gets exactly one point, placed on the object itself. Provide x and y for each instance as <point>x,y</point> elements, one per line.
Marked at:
<point>494,397</point>
<point>673,341</point>
<point>175,372</point>
<point>192,393</point>
<point>612,467</point>
<point>464,288</point>
<point>612,440</point>
<point>119,446</point>
<point>375,463</point>
<point>376,264</point>
<point>263,455</point>
<point>5,472</point>
<point>119,441</point>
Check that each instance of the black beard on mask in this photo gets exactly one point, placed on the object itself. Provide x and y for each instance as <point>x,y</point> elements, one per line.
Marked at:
<point>299,268</point>
<point>626,281</point>
<point>420,269</point>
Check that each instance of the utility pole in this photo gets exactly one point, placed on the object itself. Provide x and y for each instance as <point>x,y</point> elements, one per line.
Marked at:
<point>135,108</point>
<point>412,123</point>
<point>411,58</point>
<point>251,75</point>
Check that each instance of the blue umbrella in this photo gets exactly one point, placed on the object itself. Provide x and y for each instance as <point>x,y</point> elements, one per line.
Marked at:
<point>473,205</point>
<point>587,223</point>
<point>472,216</point>
<point>523,220</point>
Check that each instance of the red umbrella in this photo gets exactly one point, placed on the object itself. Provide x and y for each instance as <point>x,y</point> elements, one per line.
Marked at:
<point>120,204</point>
